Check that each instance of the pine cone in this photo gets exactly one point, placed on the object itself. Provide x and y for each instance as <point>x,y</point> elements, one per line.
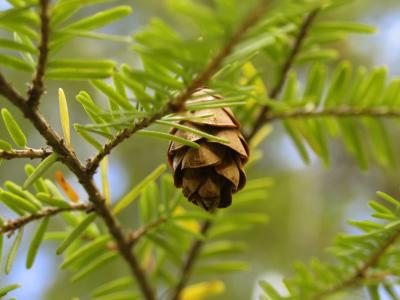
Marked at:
<point>209,175</point>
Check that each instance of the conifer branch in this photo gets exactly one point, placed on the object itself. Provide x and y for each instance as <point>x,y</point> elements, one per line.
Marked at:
<point>37,88</point>
<point>361,274</point>
<point>336,112</point>
<point>29,107</point>
<point>12,225</point>
<point>177,104</point>
<point>94,162</point>
<point>84,172</point>
<point>26,153</point>
<point>303,31</point>
<point>70,159</point>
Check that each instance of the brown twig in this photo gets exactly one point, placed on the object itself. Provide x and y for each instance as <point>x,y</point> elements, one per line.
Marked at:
<point>94,162</point>
<point>37,88</point>
<point>178,103</point>
<point>336,112</point>
<point>12,225</point>
<point>362,273</point>
<point>26,153</point>
<point>305,26</point>
<point>136,235</point>
<point>10,93</point>
<point>188,265</point>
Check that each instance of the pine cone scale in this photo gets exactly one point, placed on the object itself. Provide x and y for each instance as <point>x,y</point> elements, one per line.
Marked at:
<point>209,189</point>
<point>232,135</point>
<point>236,141</point>
<point>207,155</point>
<point>191,182</point>
<point>219,118</point>
<point>229,169</point>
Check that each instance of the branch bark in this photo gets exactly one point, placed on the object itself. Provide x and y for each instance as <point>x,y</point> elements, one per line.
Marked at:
<point>26,153</point>
<point>37,88</point>
<point>10,93</point>
<point>12,225</point>
<point>136,235</point>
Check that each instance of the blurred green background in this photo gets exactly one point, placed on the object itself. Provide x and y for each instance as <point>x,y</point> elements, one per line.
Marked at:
<point>307,206</point>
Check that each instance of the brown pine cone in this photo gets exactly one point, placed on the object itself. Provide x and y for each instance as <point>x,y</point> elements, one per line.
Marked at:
<point>209,175</point>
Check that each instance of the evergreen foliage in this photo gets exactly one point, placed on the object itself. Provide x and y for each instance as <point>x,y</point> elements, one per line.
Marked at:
<point>223,48</point>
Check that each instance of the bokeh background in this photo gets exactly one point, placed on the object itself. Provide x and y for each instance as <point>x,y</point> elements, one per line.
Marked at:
<point>307,206</point>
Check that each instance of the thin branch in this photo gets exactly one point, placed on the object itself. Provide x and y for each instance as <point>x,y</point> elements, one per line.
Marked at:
<point>37,88</point>
<point>12,225</point>
<point>304,28</point>
<point>126,133</point>
<point>10,93</point>
<point>136,235</point>
<point>336,112</point>
<point>362,273</point>
<point>188,265</point>
<point>26,153</point>
<point>177,104</point>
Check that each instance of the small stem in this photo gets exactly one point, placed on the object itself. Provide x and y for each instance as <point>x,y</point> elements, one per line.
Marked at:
<point>361,273</point>
<point>12,225</point>
<point>10,93</point>
<point>178,103</point>
<point>188,265</point>
<point>26,153</point>
<point>37,89</point>
<point>305,26</point>
<point>136,235</point>
<point>123,135</point>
